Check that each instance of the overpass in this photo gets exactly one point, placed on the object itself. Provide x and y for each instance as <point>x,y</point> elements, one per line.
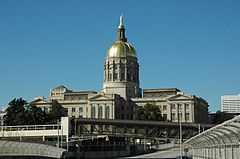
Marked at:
<point>129,123</point>
<point>135,128</point>
<point>219,142</point>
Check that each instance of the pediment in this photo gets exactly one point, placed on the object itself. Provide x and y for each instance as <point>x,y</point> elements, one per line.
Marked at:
<point>99,97</point>
<point>180,97</point>
<point>36,101</point>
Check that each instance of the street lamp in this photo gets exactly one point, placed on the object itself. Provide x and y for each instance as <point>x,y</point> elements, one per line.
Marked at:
<point>180,129</point>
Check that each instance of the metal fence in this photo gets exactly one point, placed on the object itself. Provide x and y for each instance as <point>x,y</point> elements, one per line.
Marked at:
<point>10,148</point>
<point>219,142</point>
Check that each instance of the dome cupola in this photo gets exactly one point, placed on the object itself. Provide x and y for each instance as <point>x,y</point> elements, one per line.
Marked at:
<point>121,48</point>
<point>121,69</point>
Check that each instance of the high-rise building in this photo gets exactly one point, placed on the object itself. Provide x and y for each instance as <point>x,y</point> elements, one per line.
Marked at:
<point>121,93</point>
<point>230,103</point>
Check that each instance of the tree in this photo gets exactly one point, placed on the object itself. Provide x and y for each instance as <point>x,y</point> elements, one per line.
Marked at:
<point>149,112</point>
<point>19,112</point>
<point>56,112</point>
<point>221,117</point>
<point>36,115</point>
<point>15,113</point>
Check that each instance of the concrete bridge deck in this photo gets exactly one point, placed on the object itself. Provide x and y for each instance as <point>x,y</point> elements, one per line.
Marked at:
<point>10,149</point>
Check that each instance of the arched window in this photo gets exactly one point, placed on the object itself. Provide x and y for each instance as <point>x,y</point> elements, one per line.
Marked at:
<point>115,76</point>
<point>128,76</point>
<point>110,77</point>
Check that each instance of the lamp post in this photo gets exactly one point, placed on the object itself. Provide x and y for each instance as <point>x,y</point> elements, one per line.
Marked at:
<point>58,134</point>
<point>180,130</point>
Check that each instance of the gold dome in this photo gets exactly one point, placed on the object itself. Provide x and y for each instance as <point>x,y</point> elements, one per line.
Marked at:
<point>121,49</point>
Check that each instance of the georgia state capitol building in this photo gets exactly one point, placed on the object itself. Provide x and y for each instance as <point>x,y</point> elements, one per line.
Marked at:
<point>121,93</point>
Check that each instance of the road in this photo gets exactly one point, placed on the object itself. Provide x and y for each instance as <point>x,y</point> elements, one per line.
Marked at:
<point>172,153</point>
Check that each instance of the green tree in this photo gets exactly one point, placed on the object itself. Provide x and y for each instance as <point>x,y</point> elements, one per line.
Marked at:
<point>36,115</point>
<point>149,112</point>
<point>15,113</point>
<point>221,117</point>
<point>56,112</point>
<point>19,112</point>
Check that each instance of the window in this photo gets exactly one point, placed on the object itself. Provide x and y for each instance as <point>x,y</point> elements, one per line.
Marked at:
<point>100,128</point>
<point>173,106</point>
<point>115,76</point>
<point>110,76</point>
<point>187,106</point>
<point>179,116</point>
<point>80,109</point>
<point>187,116</point>
<point>122,76</point>
<point>93,111</point>
<point>134,78</point>
<point>107,127</point>
<point>100,112</point>
<point>179,106</point>
<point>164,117</point>
<point>173,116</point>
<point>73,109</point>
<point>107,112</point>
<point>128,76</point>
<point>164,107</point>
<point>160,107</point>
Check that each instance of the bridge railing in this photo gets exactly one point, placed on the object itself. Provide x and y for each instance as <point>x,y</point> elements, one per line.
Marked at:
<point>53,130</point>
<point>30,127</point>
<point>219,142</point>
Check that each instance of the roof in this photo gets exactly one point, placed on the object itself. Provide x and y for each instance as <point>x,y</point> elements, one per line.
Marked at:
<point>121,49</point>
<point>81,92</point>
<point>61,86</point>
<point>162,90</point>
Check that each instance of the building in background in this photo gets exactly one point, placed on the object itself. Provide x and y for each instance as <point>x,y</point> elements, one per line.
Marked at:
<point>121,93</point>
<point>230,103</point>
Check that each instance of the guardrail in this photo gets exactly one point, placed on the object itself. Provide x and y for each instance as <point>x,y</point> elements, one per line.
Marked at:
<point>219,142</point>
<point>30,127</point>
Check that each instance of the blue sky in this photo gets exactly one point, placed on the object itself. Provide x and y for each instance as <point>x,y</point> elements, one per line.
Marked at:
<point>191,45</point>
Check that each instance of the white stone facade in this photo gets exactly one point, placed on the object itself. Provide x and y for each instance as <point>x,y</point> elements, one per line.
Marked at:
<point>176,106</point>
<point>87,104</point>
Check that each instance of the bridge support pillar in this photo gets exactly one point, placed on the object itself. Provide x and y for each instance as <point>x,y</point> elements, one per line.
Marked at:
<point>43,138</point>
